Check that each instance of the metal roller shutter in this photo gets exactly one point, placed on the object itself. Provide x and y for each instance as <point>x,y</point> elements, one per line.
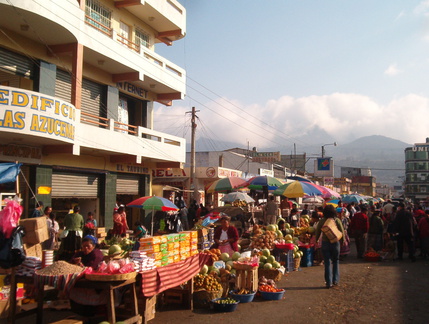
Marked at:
<point>63,85</point>
<point>92,93</point>
<point>15,63</point>
<point>127,184</point>
<point>67,185</point>
<point>92,98</point>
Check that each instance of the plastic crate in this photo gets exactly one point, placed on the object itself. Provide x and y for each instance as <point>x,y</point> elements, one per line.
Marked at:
<point>289,261</point>
<point>308,256</point>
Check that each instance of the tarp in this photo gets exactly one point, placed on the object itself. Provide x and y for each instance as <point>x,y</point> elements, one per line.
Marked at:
<point>9,172</point>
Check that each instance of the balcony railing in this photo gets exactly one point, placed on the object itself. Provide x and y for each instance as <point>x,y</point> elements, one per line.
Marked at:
<point>133,130</point>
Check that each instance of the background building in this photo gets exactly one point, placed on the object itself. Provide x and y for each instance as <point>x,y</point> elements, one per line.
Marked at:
<point>417,171</point>
<point>78,80</point>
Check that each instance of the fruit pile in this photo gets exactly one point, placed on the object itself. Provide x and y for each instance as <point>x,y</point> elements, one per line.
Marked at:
<point>243,291</point>
<point>226,301</point>
<point>215,254</point>
<point>269,288</point>
<point>264,241</point>
<point>207,282</point>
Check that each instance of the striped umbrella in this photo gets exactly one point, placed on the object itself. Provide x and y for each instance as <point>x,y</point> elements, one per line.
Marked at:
<point>261,182</point>
<point>153,203</point>
<point>226,184</point>
<point>297,189</point>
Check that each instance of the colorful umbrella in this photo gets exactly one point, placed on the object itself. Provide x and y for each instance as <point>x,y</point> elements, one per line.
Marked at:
<point>153,203</point>
<point>353,198</point>
<point>261,182</point>
<point>326,192</point>
<point>226,184</point>
<point>212,218</point>
<point>233,196</point>
<point>297,189</point>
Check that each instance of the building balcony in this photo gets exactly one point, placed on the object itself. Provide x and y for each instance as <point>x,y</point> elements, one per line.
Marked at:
<point>55,24</point>
<point>30,118</point>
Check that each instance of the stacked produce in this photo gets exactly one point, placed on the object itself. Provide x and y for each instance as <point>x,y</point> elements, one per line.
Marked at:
<point>267,261</point>
<point>264,240</point>
<point>214,253</point>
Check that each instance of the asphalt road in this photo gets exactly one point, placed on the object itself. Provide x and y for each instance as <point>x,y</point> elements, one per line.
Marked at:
<point>369,292</point>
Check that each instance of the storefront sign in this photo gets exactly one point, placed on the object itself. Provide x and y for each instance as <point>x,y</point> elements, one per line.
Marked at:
<point>32,113</point>
<point>324,167</point>
<point>266,172</point>
<point>129,168</point>
<point>222,172</point>
<point>420,148</point>
<point>261,157</point>
<point>21,153</point>
<point>168,173</point>
<point>132,90</point>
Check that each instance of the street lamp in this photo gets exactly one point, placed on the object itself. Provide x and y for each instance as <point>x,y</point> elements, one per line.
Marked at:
<point>323,148</point>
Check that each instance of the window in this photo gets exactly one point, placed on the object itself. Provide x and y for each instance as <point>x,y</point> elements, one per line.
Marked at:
<point>98,16</point>
<point>142,38</point>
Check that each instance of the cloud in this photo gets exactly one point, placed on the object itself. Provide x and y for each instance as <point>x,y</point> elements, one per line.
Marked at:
<point>392,70</point>
<point>343,116</point>
<point>422,8</point>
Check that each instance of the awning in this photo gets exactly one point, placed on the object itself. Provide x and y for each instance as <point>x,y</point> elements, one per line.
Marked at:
<point>168,180</point>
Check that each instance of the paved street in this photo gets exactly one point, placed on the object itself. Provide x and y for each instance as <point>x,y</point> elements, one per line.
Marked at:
<point>380,292</point>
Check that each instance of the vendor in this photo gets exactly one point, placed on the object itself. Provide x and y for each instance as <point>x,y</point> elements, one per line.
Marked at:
<point>89,256</point>
<point>226,236</point>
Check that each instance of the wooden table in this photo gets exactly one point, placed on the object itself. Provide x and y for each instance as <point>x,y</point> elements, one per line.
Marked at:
<point>110,286</point>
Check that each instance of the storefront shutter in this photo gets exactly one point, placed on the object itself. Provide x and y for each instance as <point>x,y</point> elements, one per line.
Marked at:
<point>63,85</point>
<point>16,63</point>
<point>68,185</point>
<point>92,94</point>
<point>127,184</point>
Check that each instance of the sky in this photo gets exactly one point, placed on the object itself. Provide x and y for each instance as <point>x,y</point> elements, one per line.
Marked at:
<point>270,73</point>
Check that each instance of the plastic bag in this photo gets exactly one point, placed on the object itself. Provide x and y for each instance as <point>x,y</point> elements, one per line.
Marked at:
<point>9,216</point>
<point>12,253</point>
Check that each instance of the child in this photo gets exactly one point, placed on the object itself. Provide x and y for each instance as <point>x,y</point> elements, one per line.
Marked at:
<point>90,225</point>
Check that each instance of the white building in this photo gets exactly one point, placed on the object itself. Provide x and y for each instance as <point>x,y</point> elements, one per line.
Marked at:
<point>78,79</point>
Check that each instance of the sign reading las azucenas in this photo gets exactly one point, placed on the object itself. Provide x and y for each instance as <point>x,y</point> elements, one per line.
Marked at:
<point>37,114</point>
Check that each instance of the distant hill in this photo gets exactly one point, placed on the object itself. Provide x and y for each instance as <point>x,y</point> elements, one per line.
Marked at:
<point>383,155</point>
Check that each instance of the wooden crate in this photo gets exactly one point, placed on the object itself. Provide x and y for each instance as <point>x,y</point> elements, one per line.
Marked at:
<point>247,279</point>
<point>147,307</point>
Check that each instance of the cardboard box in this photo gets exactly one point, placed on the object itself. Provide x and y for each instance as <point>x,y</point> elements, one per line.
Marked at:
<point>34,250</point>
<point>31,224</point>
<point>36,236</point>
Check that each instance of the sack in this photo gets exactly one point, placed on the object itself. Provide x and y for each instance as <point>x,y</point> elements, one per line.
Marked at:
<point>330,229</point>
<point>12,253</point>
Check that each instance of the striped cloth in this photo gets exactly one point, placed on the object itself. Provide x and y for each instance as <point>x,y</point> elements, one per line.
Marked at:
<point>160,279</point>
<point>61,282</point>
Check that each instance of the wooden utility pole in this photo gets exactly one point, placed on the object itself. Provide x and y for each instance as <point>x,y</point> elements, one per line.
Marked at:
<point>193,173</point>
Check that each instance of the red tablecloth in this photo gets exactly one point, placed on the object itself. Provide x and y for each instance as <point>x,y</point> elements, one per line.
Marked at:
<point>172,275</point>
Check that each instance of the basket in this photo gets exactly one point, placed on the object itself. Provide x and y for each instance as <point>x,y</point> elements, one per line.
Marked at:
<point>372,258</point>
<point>223,307</point>
<point>272,295</point>
<point>203,297</point>
<point>241,266</point>
<point>273,274</point>
<point>243,298</point>
<point>296,263</point>
<point>112,277</point>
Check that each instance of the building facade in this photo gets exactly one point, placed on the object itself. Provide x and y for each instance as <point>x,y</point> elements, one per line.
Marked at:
<point>78,82</point>
<point>417,171</point>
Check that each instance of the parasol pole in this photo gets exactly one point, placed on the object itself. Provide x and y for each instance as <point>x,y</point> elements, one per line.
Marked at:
<point>153,210</point>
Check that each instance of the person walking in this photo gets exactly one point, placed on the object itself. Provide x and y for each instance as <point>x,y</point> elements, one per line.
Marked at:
<point>404,225</point>
<point>359,227</point>
<point>331,251</point>
<point>271,211</point>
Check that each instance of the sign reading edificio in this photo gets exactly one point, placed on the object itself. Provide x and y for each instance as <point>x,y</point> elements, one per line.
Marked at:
<point>37,114</point>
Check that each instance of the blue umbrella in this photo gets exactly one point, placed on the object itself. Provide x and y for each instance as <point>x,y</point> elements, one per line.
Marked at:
<point>353,198</point>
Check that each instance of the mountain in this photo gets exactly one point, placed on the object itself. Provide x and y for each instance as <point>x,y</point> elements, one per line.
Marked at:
<point>383,155</point>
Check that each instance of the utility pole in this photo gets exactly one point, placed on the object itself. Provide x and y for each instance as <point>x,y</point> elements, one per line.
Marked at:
<point>193,173</point>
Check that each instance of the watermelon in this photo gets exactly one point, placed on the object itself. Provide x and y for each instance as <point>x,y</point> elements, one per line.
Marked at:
<point>235,256</point>
<point>224,257</point>
<point>271,259</point>
<point>268,266</point>
<point>204,269</point>
<point>266,252</point>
